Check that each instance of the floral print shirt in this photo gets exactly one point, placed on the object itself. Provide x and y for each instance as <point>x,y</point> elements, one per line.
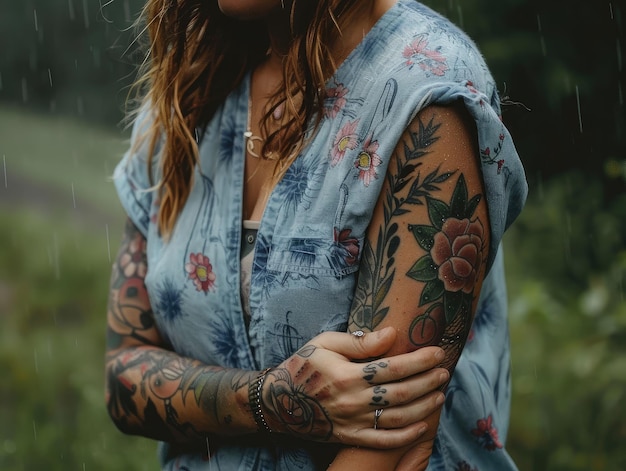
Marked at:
<point>307,251</point>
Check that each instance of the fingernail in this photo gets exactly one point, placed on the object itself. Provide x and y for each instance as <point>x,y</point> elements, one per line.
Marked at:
<point>443,377</point>
<point>422,430</point>
<point>440,399</point>
<point>440,355</point>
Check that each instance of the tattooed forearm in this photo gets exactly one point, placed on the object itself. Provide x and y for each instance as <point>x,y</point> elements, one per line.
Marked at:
<point>159,394</point>
<point>152,391</point>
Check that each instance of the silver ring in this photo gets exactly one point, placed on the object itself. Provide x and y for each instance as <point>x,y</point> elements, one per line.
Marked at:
<point>358,333</point>
<point>377,414</point>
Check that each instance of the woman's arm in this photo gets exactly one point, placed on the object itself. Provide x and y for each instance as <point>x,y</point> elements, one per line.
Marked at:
<point>150,390</point>
<point>425,257</point>
<point>154,392</point>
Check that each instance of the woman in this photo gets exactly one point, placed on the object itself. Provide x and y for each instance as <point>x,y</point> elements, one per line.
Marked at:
<point>297,169</point>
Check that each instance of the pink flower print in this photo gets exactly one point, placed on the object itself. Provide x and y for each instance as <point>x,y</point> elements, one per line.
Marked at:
<point>500,165</point>
<point>349,244</point>
<point>200,271</point>
<point>487,434</point>
<point>501,137</point>
<point>345,140</point>
<point>133,261</point>
<point>367,161</point>
<point>470,87</point>
<point>486,152</point>
<point>429,60</point>
<point>335,100</point>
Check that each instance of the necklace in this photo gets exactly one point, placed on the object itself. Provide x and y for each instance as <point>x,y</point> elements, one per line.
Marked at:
<point>252,139</point>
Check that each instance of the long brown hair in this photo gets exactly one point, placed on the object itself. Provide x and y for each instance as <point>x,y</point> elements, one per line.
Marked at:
<point>196,56</point>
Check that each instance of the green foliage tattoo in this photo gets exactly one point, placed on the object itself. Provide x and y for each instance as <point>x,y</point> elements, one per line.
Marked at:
<point>453,243</point>
<point>377,265</point>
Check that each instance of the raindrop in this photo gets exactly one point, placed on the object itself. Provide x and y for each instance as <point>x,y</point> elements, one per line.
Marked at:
<point>73,196</point>
<point>619,56</point>
<point>35,18</point>
<point>459,11</point>
<point>611,10</point>
<point>106,227</point>
<point>580,118</point>
<point>70,4</point>
<point>4,166</point>
<point>126,11</point>
<point>50,77</point>
<point>544,49</point>
<point>24,90</point>
<point>86,14</point>
<point>53,256</point>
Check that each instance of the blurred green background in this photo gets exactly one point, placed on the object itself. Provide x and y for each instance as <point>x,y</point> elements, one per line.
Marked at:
<point>65,67</point>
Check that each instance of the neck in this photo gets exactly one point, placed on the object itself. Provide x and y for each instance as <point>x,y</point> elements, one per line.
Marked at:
<point>279,32</point>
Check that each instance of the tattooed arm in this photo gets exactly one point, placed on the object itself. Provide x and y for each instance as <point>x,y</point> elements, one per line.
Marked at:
<point>154,392</point>
<point>424,260</point>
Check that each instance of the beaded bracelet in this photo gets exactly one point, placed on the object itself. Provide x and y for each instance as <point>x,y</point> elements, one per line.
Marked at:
<point>254,396</point>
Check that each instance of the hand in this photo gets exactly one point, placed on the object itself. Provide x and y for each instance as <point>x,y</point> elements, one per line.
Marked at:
<point>320,394</point>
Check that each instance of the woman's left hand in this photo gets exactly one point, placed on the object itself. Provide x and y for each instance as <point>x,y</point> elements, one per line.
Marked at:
<point>322,394</point>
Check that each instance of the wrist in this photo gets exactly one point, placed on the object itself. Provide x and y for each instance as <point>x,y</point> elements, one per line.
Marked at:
<point>255,398</point>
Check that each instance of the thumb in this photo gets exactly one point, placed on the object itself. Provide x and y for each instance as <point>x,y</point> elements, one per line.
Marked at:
<point>370,345</point>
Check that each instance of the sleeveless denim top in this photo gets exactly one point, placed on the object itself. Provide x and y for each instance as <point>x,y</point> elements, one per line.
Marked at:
<point>299,288</point>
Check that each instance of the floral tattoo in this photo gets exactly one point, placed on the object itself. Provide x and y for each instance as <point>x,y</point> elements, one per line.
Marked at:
<point>450,248</point>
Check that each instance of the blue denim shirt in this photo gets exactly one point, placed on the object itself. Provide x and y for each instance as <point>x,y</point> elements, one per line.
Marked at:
<point>299,288</point>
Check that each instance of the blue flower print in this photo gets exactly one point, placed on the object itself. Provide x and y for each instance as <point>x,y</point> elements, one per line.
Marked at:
<point>169,301</point>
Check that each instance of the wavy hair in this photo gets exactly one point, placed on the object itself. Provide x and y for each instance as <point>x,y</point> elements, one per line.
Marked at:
<point>196,56</point>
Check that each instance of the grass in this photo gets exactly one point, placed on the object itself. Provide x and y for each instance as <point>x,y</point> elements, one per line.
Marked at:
<point>76,158</point>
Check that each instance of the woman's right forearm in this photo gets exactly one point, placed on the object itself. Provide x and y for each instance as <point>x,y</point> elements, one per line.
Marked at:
<point>158,394</point>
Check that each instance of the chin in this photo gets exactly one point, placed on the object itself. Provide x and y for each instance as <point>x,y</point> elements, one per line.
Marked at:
<point>248,9</point>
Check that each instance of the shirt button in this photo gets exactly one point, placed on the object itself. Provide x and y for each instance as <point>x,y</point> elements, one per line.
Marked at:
<point>250,238</point>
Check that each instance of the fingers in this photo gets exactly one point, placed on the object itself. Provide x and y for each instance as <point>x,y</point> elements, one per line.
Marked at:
<point>399,367</point>
<point>386,439</point>
<point>370,345</point>
<point>406,415</point>
<point>406,392</point>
